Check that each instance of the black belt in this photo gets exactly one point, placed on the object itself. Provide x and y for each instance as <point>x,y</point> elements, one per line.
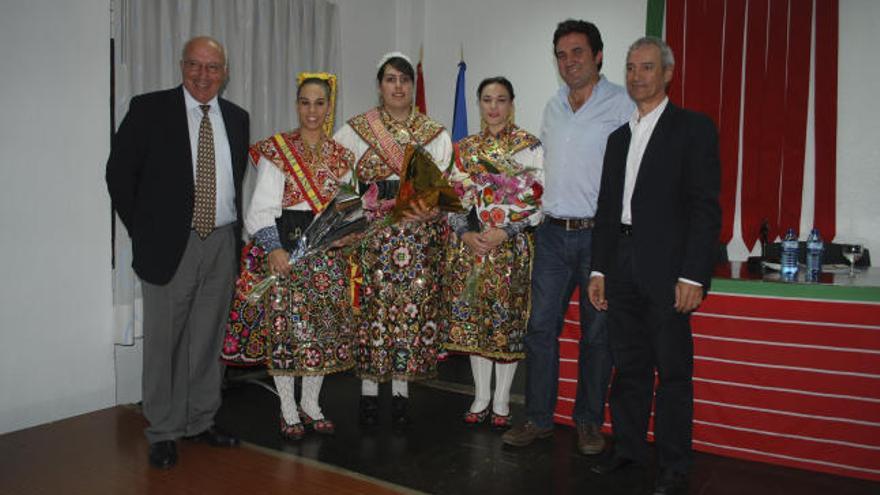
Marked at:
<point>626,230</point>
<point>571,223</point>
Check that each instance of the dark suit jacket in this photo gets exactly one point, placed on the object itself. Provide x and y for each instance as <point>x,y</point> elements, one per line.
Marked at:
<point>676,217</point>
<point>150,177</point>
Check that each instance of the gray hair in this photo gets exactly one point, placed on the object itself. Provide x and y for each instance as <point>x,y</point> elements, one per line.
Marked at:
<point>666,57</point>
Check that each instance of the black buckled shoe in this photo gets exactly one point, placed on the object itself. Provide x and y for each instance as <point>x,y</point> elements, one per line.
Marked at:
<point>163,455</point>
<point>399,417</point>
<point>368,414</point>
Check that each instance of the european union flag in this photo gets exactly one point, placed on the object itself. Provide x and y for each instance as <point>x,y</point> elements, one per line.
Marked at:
<point>459,117</point>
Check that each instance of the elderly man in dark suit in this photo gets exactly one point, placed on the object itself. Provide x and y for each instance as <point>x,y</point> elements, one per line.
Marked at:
<point>174,175</point>
<point>657,226</point>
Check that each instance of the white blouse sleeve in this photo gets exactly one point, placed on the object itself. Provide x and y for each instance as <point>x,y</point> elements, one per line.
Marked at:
<point>266,200</point>
<point>440,150</point>
<point>351,140</point>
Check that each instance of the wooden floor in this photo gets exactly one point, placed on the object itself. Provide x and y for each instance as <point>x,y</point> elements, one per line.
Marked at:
<point>105,452</point>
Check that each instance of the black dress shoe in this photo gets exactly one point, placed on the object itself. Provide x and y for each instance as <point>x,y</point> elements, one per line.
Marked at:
<point>163,455</point>
<point>671,483</point>
<point>613,463</point>
<point>399,417</point>
<point>368,410</point>
<point>216,437</point>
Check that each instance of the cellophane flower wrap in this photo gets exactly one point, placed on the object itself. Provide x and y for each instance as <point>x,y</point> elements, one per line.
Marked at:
<point>344,215</point>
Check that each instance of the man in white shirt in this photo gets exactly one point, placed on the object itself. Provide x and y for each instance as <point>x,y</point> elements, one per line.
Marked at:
<point>656,231</point>
<point>574,130</point>
<point>174,174</point>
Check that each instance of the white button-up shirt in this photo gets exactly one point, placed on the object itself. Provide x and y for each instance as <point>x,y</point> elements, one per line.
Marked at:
<point>641,129</point>
<point>225,186</point>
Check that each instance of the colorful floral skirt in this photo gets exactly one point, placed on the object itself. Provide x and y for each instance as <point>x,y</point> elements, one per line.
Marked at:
<point>486,299</point>
<point>301,326</point>
<point>398,333</point>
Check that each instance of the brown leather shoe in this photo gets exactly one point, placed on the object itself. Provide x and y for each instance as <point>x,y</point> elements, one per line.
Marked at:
<point>525,434</point>
<point>590,440</point>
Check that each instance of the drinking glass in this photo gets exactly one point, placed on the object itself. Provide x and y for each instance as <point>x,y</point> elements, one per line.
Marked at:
<point>852,253</point>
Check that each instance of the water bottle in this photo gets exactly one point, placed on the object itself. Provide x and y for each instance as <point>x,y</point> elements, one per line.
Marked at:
<point>815,248</point>
<point>789,255</point>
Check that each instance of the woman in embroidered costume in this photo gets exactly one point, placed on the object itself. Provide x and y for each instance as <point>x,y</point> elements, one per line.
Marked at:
<point>302,327</point>
<point>498,174</point>
<point>397,336</point>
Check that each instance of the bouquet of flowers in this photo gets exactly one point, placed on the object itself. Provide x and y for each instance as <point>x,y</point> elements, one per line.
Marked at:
<point>420,179</point>
<point>503,192</point>
<point>344,215</point>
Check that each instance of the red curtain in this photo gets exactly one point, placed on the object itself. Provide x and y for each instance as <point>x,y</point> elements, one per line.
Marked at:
<point>728,121</point>
<point>796,103</point>
<point>710,39</point>
<point>675,27</point>
<point>751,210</point>
<point>825,105</point>
<point>768,167</point>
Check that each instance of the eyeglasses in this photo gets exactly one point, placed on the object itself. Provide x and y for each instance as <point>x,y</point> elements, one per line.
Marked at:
<point>211,68</point>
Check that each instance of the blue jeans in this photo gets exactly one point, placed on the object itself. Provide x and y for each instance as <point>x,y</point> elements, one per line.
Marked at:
<point>562,262</point>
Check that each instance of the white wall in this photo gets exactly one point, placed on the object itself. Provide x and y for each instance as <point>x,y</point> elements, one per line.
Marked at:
<point>858,147</point>
<point>514,38</point>
<point>56,356</point>
<point>370,29</point>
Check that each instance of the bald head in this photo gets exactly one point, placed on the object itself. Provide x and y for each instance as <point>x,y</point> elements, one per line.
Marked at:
<point>203,41</point>
<point>203,66</point>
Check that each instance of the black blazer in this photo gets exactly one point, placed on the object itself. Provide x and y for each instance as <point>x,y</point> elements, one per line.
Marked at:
<point>676,217</point>
<point>150,177</point>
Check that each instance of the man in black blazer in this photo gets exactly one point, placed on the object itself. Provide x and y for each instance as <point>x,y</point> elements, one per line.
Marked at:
<point>174,174</point>
<point>657,226</point>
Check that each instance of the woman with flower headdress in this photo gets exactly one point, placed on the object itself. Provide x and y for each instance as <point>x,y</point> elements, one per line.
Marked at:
<point>397,335</point>
<point>302,327</point>
<point>498,174</point>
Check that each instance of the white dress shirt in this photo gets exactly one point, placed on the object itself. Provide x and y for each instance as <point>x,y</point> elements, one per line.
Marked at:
<point>224,186</point>
<point>641,128</point>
